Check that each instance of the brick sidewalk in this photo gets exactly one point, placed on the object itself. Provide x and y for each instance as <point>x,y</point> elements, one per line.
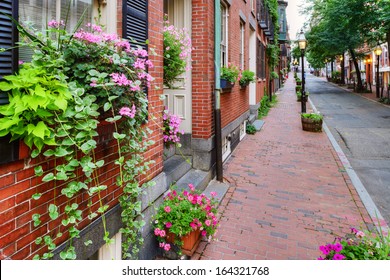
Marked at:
<point>289,193</point>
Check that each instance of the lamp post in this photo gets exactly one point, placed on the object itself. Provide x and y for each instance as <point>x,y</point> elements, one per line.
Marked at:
<point>302,46</point>
<point>378,52</point>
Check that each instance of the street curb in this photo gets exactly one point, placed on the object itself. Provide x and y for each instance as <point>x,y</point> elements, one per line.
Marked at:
<point>368,203</point>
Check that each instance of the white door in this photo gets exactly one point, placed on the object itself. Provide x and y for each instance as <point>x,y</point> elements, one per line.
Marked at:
<point>179,100</point>
<point>252,65</point>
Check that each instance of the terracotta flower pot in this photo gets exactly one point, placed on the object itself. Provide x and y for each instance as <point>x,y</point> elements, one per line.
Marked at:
<point>190,241</point>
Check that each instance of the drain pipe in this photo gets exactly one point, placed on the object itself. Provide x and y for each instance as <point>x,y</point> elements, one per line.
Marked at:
<point>217,90</point>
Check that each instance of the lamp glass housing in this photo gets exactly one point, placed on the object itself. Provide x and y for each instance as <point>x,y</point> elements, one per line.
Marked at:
<point>302,40</point>
<point>378,50</point>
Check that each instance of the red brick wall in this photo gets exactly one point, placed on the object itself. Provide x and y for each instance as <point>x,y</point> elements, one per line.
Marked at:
<point>236,102</point>
<point>202,68</point>
<point>18,182</point>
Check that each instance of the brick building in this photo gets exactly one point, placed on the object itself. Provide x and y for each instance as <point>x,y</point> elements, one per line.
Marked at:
<point>245,32</point>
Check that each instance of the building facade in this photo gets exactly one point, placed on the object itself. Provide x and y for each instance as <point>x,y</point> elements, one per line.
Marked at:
<point>246,30</point>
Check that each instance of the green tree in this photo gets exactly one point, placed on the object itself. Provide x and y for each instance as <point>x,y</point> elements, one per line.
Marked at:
<point>337,26</point>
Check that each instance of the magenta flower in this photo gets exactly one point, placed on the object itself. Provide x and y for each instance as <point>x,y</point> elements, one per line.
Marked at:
<point>324,250</point>
<point>167,209</point>
<point>204,233</point>
<point>337,247</point>
<point>338,257</point>
<point>168,224</point>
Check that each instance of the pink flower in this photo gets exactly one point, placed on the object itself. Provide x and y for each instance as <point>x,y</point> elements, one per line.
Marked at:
<point>191,186</point>
<point>168,224</point>
<point>93,83</point>
<point>208,223</point>
<point>167,247</point>
<point>161,245</point>
<point>126,111</point>
<point>55,24</point>
<point>120,79</point>
<point>157,231</point>
<point>360,234</point>
<point>167,209</point>
<point>204,233</point>
<point>162,233</point>
<point>213,194</point>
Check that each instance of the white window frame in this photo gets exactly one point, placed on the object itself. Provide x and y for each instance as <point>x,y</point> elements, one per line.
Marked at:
<point>224,34</point>
<point>242,45</point>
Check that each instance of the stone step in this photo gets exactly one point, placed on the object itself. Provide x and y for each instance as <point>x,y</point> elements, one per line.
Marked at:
<point>198,178</point>
<point>220,188</point>
<point>258,124</point>
<point>176,167</point>
<point>252,118</point>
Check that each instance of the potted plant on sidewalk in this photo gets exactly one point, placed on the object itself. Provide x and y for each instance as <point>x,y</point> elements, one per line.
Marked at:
<point>312,122</point>
<point>184,218</point>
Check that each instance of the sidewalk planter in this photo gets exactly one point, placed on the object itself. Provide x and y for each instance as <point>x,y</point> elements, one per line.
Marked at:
<point>298,88</point>
<point>311,122</point>
<point>183,218</point>
<point>299,83</point>
<point>190,241</point>
<point>225,84</point>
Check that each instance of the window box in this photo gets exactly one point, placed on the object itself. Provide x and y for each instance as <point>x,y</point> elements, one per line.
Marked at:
<point>225,84</point>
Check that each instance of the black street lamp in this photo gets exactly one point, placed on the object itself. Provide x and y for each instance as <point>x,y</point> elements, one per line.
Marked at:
<point>302,46</point>
<point>378,52</point>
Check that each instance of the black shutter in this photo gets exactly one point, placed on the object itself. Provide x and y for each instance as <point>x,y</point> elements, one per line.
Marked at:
<point>8,64</point>
<point>135,21</point>
<point>8,37</point>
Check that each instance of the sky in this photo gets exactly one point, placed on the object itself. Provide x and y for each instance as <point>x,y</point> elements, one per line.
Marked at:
<point>294,19</point>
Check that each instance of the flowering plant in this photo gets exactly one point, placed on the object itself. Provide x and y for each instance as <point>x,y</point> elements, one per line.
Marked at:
<point>246,77</point>
<point>177,51</point>
<point>358,245</point>
<point>182,213</point>
<point>55,105</point>
<point>230,73</point>
<point>171,132</point>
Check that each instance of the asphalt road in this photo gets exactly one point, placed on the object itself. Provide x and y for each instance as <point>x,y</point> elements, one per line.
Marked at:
<point>362,129</point>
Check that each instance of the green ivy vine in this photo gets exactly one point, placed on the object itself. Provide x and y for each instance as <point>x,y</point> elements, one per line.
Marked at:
<point>73,83</point>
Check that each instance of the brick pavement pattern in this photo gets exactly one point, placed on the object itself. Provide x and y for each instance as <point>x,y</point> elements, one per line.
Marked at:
<point>289,193</point>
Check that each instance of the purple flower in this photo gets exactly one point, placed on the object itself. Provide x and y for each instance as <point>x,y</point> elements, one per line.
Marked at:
<point>338,257</point>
